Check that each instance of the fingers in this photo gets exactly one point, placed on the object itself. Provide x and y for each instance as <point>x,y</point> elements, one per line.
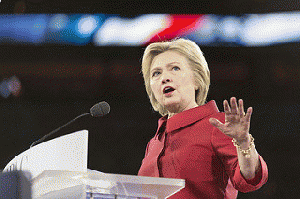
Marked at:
<point>215,122</point>
<point>226,107</point>
<point>241,108</point>
<point>232,108</point>
<point>235,108</point>
<point>248,114</point>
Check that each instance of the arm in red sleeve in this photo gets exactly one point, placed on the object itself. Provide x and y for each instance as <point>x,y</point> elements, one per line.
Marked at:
<point>227,153</point>
<point>258,181</point>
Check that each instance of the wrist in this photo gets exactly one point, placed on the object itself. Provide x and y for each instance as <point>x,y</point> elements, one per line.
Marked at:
<point>245,146</point>
<point>244,141</point>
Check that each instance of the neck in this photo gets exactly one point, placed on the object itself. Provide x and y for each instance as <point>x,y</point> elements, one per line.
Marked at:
<point>172,113</point>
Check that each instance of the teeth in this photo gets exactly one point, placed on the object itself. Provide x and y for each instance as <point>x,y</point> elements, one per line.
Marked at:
<point>169,89</point>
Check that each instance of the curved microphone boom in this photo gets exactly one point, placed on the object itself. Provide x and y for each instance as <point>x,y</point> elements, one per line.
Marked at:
<point>100,109</point>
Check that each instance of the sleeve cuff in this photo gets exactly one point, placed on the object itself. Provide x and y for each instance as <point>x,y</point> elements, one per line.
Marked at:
<point>256,180</point>
<point>244,185</point>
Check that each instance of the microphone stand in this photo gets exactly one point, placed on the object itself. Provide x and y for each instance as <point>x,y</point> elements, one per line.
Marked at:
<point>54,131</point>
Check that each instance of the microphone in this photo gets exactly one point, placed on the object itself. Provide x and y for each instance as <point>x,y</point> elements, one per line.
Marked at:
<point>99,109</point>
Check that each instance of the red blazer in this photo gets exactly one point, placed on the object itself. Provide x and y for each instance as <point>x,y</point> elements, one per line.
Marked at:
<point>187,146</point>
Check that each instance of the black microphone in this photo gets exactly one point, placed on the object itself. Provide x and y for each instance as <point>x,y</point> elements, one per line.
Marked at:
<point>100,109</point>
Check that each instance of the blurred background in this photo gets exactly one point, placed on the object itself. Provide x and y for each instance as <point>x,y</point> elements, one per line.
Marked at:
<point>59,58</point>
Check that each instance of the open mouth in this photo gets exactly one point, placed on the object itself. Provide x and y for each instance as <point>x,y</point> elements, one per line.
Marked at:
<point>168,89</point>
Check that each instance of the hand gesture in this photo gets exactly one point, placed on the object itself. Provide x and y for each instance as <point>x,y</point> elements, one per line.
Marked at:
<point>237,123</point>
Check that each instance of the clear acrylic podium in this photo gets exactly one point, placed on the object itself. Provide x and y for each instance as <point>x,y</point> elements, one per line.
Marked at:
<point>58,169</point>
<point>98,185</point>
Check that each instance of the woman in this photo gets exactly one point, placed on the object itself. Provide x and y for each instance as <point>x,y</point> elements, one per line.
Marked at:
<point>212,151</point>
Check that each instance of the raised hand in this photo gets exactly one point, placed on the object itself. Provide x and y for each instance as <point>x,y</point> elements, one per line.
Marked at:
<point>237,123</point>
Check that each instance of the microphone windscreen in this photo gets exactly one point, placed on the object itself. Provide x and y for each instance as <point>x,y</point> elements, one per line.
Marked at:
<point>100,109</point>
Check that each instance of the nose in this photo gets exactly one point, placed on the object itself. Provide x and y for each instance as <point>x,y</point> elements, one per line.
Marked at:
<point>166,79</point>
<point>165,76</point>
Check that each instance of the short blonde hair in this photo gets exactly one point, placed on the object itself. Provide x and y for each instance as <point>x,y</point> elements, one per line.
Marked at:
<point>195,57</point>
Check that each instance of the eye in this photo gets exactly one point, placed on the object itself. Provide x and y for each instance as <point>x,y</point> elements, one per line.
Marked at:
<point>155,73</point>
<point>176,68</point>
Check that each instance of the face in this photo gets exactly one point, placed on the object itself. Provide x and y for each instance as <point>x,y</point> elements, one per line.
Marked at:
<point>172,82</point>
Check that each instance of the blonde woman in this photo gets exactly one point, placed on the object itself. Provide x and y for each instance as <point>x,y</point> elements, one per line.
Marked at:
<point>213,151</point>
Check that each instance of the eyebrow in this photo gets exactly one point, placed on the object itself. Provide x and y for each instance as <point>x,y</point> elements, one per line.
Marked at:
<point>169,64</point>
<point>173,63</point>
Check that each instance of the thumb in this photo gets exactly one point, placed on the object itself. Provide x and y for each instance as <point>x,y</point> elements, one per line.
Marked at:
<point>215,123</point>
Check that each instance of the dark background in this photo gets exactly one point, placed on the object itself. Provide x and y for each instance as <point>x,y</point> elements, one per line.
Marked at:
<point>62,82</point>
